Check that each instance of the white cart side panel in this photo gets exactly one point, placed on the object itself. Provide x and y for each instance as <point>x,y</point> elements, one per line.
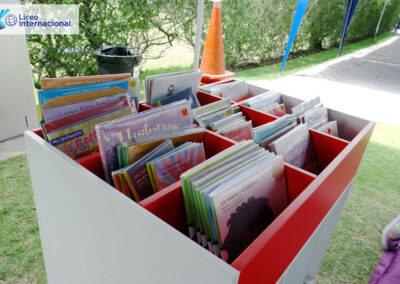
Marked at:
<point>91,233</point>
<point>305,265</point>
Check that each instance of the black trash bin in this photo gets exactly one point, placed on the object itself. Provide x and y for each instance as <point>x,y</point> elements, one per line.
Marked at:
<point>116,59</point>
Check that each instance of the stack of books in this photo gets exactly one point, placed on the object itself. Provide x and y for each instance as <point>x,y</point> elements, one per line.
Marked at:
<point>71,107</point>
<point>167,88</point>
<point>234,89</point>
<point>269,102</point>
<point>232,197</point>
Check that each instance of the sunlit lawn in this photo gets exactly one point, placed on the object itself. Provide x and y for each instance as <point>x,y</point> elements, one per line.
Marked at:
<point>352,254</point>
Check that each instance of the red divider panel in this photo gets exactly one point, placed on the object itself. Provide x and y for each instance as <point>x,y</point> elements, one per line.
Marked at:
<point>38,132</point>
<point>257,117</point>
<point>92,163</point>
<point>326,147</point>
<point>144,106</point>
<point>296,181</point>
<point>215,143</point>
<point>168,205</point>
<point>206,98</point>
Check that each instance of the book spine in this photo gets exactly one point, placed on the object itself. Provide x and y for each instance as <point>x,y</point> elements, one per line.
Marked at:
<point>102,155</point>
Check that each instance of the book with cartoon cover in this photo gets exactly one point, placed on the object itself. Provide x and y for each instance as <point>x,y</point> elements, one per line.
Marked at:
<point>137,176</point>
<point>79,138</point>
<point>163,119</point>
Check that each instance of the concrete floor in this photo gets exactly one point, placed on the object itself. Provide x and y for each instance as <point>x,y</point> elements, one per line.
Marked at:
<point>12,147</point>
<point>365,83</point>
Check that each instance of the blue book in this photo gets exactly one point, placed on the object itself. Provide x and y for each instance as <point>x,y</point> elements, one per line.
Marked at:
<point>186,94</point>
<point>48,95</point>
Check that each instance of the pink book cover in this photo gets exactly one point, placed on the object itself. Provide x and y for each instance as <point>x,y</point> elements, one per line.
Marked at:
<point>85,115</point>
<point>169,168</point>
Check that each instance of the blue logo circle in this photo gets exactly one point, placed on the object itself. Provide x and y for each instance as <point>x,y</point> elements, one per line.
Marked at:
<point>11,20</point>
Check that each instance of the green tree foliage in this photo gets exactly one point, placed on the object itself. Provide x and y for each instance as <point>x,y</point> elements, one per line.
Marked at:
<point>255,31</point>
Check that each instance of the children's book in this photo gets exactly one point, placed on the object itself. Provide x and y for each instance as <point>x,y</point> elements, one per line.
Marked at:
<point>86,115</point>
<point>168,168</point>
<point>57,112</point>
<point>186,94</point>
<point>52,83</point>
<point>133,152</point>
<point>238,131</point>
<point>160,86</point>
<point>264,131</point>
<point>111,134</point>
<point>80,139</point>
<point>48,95</point>
<point>137,175</point>
<point>296,148</point>
<point>245,206</point>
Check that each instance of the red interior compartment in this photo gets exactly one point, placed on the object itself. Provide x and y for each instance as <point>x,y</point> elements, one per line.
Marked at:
<point>279,244</point>
<point>257,117</point>
<point>168,204</point>
<point>326,147</point>
<point>206,98</point>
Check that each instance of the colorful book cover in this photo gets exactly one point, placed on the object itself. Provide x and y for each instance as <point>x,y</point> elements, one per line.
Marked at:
<point>186,94</point>
<point>47,95</point>
<point>262,132</point>
<point>86,115</point>
<point>135,152</point>
<point>72,99</point>
<point>245,206</point>
<point>111,134</point>
<point>52,83</point>
<point>137,175</point>
<point>57,112</point>
<point>168,168</point>
<point>80,139</point>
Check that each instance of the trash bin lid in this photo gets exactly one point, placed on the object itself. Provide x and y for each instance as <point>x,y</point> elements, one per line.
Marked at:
<point>119,52</point>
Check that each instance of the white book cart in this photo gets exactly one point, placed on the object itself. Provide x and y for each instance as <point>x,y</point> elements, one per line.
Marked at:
<point>92,233</point>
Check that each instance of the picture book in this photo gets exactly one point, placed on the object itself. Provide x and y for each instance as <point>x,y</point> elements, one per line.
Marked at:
<point>186,176</point>
<point>57,112</point>
<point>264,143</point>
<point>47,95</point>
<point>186,94</point>
<point>111,134</point>
<point>264,131</point>
<point>80,139</point>
<point>143,145</point>
<point>304,106</point>
<point>60,101</point>
<point>237,131</point>
<point>72,119</point>
<point>296,148</point>
<point>236,91</point>
<point>137,175</point>
<point>245,206</point>
<point>168,168</point>
<point>159,87</point>
<point>52,83</point>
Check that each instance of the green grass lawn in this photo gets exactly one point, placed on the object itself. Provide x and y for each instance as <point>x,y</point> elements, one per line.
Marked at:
<point>270,72</point>
<point>352,254</point>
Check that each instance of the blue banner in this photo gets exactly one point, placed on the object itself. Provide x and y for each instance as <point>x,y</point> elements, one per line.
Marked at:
<point>298,16</point>
<point>351,7</point>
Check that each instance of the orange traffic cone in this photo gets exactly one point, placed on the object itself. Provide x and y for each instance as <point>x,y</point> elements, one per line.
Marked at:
<point>213,61</point>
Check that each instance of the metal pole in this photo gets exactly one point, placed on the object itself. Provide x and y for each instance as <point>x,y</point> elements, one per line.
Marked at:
<point>199,26</point>
<point>344,30</point>
<point>380,19</point>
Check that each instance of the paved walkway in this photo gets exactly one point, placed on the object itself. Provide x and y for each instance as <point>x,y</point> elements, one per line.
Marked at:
<point>365,83</point>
